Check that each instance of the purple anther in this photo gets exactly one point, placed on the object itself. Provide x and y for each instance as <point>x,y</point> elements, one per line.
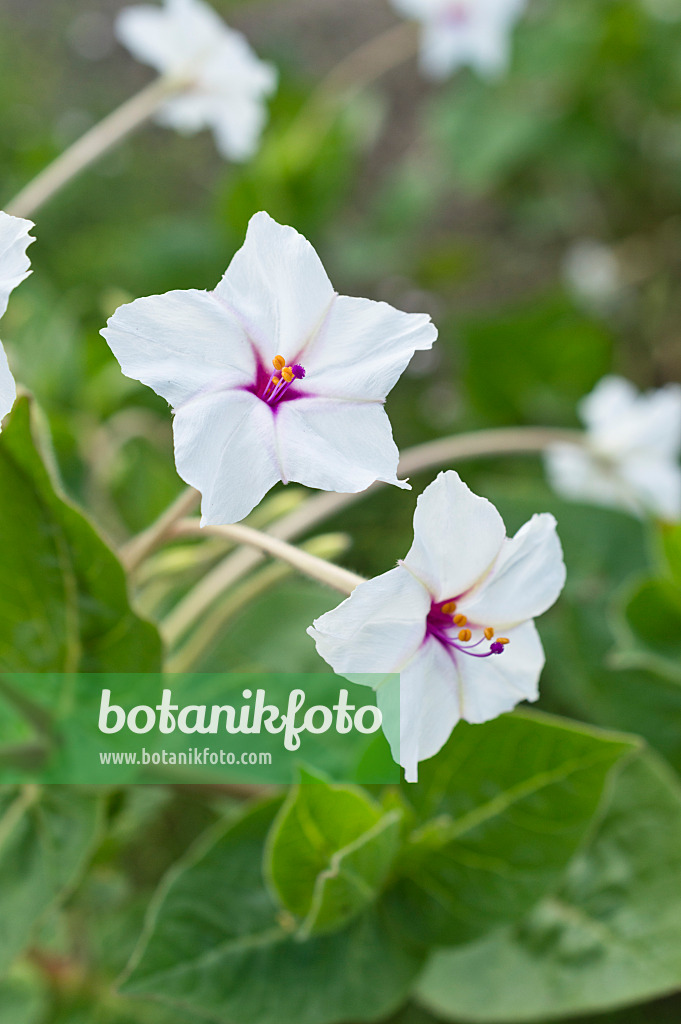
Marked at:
<point>497,648</point>
<point>298,371</point>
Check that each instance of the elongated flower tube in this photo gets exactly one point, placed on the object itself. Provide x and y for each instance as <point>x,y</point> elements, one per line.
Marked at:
<point>454,619</point>
<point>631,456</point>
<point>14,268</point>
<point>463,32</point>
<point>272,376</point>
<point>223,83</point>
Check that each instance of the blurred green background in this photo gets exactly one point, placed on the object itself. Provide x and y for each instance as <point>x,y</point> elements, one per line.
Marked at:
<point>537,219</point>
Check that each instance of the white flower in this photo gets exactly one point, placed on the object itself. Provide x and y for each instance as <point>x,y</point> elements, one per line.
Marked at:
<point>463,32</point>
<point>631,456</point>
<point>14,268</point>
<point>436,620</point>
<point>227,83</point>
<point>272,376</point>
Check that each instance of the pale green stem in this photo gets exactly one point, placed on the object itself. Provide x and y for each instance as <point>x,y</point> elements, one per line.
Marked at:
<point>94,144</point>
<point>144,544</point>
<point>485,443</point>
<point>305,562</point>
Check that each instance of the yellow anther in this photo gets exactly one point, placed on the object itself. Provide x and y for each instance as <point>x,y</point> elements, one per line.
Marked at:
<point>278,362</point>
<point>460,620</point>
<point>503,640</point>
<point>465,635</point>
<point>288,374</point>
<point>449,608</point>
<point>489,633</point>
<point>275,381</point>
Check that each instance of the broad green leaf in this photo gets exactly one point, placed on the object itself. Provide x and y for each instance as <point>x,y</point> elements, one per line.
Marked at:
<point>505,806</point>
<point>610,935</point>
<point>329,853</point>
<point>217,945</point>
<point>63,600</point>
<point>46,837</point>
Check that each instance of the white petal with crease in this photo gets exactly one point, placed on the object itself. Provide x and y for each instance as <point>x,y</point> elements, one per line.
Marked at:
<point>457,536</point>
<point>225,448</point>
<point>525,581</point>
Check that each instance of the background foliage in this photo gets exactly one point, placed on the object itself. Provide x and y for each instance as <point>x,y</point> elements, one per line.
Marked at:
<point>541,857</point>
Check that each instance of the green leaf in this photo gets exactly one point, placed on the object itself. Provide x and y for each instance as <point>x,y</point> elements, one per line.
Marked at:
<point>653,615</point>
<point>505,806</point>
<point>46,837</point>
<point>63,598</point>
<point>216,945</point>
<point>608,937</point>
<point>329,853</point>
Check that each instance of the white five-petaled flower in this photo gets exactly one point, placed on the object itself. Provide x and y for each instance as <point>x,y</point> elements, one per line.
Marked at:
<point>226,83</point>
<point>463,32</point>
<point>14,268</point>
<point>631,456</point>
<point>272,376</point>
<point>454,619</point>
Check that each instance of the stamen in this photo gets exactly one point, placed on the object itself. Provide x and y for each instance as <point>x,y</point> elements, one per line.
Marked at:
<point>465,635</point>
<point>442,619</point>
<point>460,620</point>
<point>449,608</point>
<point>489,633</point>
<point>503,640</point>
<point>277,386</point>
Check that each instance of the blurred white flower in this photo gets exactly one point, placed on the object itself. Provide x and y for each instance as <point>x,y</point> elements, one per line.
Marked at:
<point>435,618</point>
<point>14,268</point>
<point>226,83</point>
<point>463,32</point>
<point>631,457</point>
<point>246,415</point>
<point>592,272</point>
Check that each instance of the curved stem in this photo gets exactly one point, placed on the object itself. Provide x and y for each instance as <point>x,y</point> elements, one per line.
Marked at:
<point>91,146</point>
<point>307,563</point>
<point>139,548</point>
<point>485,443</point>
<point>351,75</point>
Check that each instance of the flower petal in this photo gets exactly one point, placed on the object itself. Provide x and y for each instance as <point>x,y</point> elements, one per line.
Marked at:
<point>278,288</point>
<point>577,475</point>
<point>8,391</point>
<point>377,629</point>
<point>430,706</point>
<point>181,343</point>
<point>526,579</point>
<point>14,263</point>
<point>168,37</point>
<point>656,483</point>
<point>457,537</point>
<point>611,401</point>
<point>336,446</point>
<point>363,348</point>
<point>225,447</point>
<point>492,686</point>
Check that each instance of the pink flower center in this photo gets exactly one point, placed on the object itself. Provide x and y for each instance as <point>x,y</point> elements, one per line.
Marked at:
<point>280,381</point>
<point>452,629</point>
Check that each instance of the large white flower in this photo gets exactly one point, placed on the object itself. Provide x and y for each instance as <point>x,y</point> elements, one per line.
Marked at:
<point>463,32</point>
<point>272,376</point>
<point>631,456</point>
<point>436,620</point>
<point>226,83</point>
<point>14,268</point>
